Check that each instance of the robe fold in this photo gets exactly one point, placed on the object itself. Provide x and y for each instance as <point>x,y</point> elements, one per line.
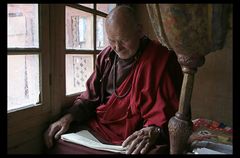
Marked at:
<point>155,83</point>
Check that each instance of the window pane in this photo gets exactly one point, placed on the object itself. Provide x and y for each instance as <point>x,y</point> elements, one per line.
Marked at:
<point>101,33</point>
<point>106,8</point>
<point>23,80</point>
<point>79,29</point>
<point>89,5</point>
<point>23,26</point>
<point>78,70</point>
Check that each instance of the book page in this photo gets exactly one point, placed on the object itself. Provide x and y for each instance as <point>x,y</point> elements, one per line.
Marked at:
<point>87,134</point>
<point>205,151</point>
<point>85,138</point>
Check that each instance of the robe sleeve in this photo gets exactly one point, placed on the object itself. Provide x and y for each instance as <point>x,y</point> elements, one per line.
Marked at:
<point>165,105</point>
<point>167,96</point>
<point>167,101</point>
<point>157,86</point>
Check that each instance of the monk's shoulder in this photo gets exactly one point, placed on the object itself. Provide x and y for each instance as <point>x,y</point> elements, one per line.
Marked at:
<point>157,50</point>
<point>104,54</point>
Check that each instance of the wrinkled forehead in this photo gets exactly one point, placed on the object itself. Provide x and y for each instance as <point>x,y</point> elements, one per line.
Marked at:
<point>120,34</point>
<point>120,28</point>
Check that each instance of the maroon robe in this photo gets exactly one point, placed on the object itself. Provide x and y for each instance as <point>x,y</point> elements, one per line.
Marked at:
<point>153,98</point>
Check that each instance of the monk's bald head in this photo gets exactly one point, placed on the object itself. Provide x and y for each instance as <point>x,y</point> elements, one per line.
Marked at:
<point>122,16</point>
<point>123,31</point>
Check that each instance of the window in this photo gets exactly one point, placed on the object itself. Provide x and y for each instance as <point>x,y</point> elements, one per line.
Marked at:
<point>23,81</point>
<point>106,8</point>
<point>50,55</point>
<point>23,26</point>
<point>85,37</point>
<point>78,68</point>
<point>78,33</point>
<point>101,36</point>
<point>23,71</point>
<point>28,71</point>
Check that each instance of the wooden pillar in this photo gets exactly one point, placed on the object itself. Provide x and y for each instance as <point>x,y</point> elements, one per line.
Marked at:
<point>192,31</point>
<point>180,126</point>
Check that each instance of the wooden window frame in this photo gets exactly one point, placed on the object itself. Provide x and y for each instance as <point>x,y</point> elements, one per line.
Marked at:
<point>69,98</point>
<point>25,125</point>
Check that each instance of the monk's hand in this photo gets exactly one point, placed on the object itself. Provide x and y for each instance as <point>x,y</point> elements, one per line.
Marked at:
<point>56,129</point>
<point>141,141</point>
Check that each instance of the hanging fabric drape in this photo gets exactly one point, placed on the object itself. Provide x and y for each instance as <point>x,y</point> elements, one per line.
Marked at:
<point>190,28</point>
<point>191,31</point>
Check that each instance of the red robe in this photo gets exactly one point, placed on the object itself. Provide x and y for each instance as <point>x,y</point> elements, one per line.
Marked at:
<point>152,100</point>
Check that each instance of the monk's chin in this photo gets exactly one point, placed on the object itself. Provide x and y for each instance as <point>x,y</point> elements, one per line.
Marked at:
<point>124,55</point>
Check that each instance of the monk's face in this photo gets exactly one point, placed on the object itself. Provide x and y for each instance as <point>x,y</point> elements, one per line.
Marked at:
<point>123,39</point>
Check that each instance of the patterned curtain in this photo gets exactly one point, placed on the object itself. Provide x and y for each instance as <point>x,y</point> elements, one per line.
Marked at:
<point>156,20</point>
<point>190,28</point>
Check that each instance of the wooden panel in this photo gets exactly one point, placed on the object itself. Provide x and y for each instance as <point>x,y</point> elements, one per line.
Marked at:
<point>17,124</point>
<point>31,146</point>
<point>213,87</point>
<point>18,138</point>
<point>23,132</point>
<point>57,29</point>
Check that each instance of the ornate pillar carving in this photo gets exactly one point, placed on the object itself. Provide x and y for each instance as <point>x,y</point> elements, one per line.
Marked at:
<point>180,126</point>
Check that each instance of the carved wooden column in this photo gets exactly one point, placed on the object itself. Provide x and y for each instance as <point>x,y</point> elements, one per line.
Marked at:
<point>192,31</point>
<point>180,126</point>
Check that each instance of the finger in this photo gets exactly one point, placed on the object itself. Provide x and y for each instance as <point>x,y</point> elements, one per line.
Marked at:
<point>140,146</point>
<point>134,144</point>
<point>48,139</point>
<point>60,132</point>
<point>133,137</point>
<point>129,139</point>
<point>145,148</point>
<point>47,142</point>
<point>49,135</point>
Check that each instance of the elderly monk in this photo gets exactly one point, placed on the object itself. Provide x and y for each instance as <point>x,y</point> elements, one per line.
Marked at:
<point>132,93</point>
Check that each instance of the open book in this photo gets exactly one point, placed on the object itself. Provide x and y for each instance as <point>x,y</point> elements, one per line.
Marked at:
<point>85,138</point>
<point>206,151</point>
